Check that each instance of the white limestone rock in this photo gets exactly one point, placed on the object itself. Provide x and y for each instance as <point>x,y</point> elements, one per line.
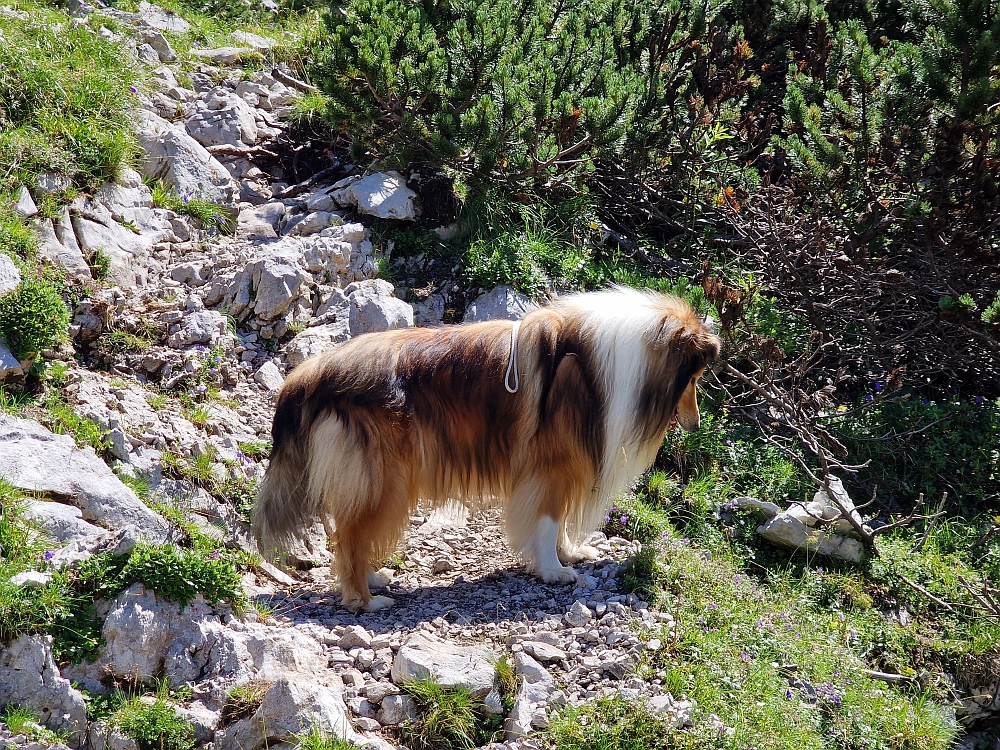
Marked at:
<point>34,459</point>
<point>222,118</point>
<point>10,366</point>
<point>269,376</point>
<point>24,206</point>
<point>201,327</point>
<point>30,678</point>
<point>10,277</point>
<point>424,655</point>
<point>315,341</point>
<point>58,245</point>
<point>164,20</point>
<point>502,303</point>
<point>383,194</point>
<point>374,308</point>
<point>222,55</point>
<point>289,708</point>
<point>537,685</point>
<point>173,156</point>
<point>787,531</point>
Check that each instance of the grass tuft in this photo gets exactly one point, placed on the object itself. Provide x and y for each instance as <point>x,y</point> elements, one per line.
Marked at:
<point>448,719</point>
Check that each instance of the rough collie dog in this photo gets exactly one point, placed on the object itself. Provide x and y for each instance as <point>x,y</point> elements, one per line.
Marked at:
<point>551,417</point>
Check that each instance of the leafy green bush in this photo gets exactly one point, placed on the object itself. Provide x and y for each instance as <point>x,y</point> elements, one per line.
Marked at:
<point>919,445</point>
<point>154,725</point>
<point>173,573</point>
<point>33,316</point>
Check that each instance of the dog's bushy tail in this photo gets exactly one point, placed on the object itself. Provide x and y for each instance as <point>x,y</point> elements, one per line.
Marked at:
<point>284,508</point>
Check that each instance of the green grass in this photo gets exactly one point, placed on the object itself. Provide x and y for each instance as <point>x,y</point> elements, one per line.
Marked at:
<point>22,720</point>
<point>243,700</point>
<point>56,118</point>
<point>208,213</point>
<point>61,418</point>
<point>609,724</point>
<point>317,740</point>
<point>448,719</point>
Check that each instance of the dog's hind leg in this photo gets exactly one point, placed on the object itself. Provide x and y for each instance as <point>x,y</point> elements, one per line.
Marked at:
<point>354,550</point>
<point>575,553</point>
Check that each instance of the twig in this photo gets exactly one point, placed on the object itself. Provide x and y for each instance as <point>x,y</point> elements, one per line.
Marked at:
<point>224,149</point>
<point>921,590</point>
<point>892,679</point>
<point>930,526</point>
<point>294,82</point>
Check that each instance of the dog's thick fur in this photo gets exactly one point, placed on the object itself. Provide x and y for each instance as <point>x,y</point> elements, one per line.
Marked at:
<point>364,432</point>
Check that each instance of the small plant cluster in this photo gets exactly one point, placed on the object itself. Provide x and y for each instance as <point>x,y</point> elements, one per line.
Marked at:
<point>64,608</point>
<point>24,721</point>
<point>448,719</point>
<point>61,418</point>
<point>33,315</point>
<point>227,481</point>
<point>146,716</point>
<point>204,384</point>
<point>209,214</point>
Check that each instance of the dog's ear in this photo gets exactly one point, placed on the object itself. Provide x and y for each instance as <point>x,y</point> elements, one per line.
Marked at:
<point>688,337</point>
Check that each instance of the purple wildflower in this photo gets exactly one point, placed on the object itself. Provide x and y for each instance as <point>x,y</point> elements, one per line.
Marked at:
<point>133,89</point>
<point>624,519</point>
<point>868,398</point>
<point>607,519</point>
<point>979,400</point>
<point>49,555</point>
<point>878,385</point>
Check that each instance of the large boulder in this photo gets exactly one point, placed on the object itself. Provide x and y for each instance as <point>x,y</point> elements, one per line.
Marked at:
<point>173,156</point>
<point>290,708</point>
<point>222,119</point>
<point>537,685</point>
<point>200,327</point>
<point>29,678</point>
<point>374,308</point>
<point>383,194</point>
<point>35,459</point>
<point>58,245</point>
<point>502,303</point>
<point>315,341</point>
<point>425,656</point>
<point>164,20</point>
<point>784,530</point>
<point>147,635</point>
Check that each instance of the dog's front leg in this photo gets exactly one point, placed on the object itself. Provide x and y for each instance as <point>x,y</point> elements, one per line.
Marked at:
<point>545,561</point>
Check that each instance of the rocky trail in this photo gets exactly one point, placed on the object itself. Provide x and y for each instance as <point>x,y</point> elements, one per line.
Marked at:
<point>177,352</point>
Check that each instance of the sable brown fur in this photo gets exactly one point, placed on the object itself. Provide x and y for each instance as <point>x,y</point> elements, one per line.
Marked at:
<point>364,432</point>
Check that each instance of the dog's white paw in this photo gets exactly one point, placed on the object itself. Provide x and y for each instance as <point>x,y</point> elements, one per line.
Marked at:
<point>378,603</point>
<point>580,553</point>
<point>379,579</point>
<point>561,574</point>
